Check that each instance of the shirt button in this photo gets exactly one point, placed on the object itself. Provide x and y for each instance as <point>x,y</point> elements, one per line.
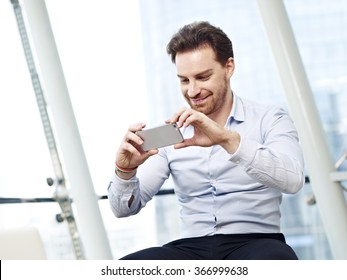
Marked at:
<point>238,161</point>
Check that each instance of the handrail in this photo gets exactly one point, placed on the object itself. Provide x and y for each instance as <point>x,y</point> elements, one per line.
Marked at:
<point>14,200</point>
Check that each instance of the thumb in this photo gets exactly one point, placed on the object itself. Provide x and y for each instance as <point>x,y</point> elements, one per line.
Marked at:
<point>186,143</point>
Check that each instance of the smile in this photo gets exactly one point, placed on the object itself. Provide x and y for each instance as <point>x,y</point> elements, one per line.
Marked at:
<point>198,101</point>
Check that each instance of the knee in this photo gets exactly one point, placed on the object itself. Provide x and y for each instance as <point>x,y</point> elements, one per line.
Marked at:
<point>273,250</point>
<point>264,249</point>
<point>146,254</point>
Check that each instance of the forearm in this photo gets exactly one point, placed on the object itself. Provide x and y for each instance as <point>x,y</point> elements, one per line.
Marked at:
<point>274,169</point>
<point>230,141</point>
<point>129,195</point>
<point>124,196</point>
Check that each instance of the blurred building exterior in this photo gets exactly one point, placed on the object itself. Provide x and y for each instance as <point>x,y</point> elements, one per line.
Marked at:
<point>320,30</point>
<point>319,27</point>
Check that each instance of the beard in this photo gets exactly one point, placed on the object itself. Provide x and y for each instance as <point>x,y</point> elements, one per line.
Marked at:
<point>214,100</point>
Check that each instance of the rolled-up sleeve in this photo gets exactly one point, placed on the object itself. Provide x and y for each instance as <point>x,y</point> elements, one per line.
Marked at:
<point>273,158</point>
<point>153,174</point>
<point>119,193</point>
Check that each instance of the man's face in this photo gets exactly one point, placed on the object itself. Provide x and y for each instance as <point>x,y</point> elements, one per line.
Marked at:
<point>204,81</point>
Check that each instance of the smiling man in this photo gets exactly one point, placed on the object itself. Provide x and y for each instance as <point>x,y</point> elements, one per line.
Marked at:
<point>230,172</point>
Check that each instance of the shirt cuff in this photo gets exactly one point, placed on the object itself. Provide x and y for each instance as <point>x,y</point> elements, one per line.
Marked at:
<point>246,152</point>
<point>124,186</point>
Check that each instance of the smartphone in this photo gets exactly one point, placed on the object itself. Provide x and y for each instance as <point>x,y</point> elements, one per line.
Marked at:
<point>160,136</point>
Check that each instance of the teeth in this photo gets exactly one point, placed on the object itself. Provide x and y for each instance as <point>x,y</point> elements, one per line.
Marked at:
<point>198,100</point>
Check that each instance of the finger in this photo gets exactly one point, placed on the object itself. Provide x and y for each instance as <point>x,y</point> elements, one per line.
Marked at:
<point>136,127</point>
<point>151,153</point>
<point>175,117</point>
<point>188,117</point>
<point>132,137</point>
<point>180,116</point>
<point>185,143</point>
<point>128,150</point>
<point>145,155</point>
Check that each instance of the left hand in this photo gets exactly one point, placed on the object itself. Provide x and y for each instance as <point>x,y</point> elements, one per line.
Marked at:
<point>206,131</point>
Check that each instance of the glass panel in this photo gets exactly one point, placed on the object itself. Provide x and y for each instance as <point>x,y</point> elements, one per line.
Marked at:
<point>118,73</point>
<point>318,26</point>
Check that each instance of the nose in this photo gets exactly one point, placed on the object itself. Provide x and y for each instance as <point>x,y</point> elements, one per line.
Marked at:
<point>193,89</point>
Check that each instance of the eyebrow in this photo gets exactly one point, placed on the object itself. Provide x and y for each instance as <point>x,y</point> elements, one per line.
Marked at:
<point>208,71</point>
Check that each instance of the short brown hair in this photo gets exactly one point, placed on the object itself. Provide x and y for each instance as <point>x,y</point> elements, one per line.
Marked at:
<point>199,34</point>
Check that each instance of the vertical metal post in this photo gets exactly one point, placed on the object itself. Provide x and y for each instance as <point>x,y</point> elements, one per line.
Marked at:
<point>92,230</point>
<point>330,199</point>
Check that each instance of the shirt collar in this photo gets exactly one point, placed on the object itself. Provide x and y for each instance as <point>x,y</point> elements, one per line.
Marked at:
<point>237,113</point>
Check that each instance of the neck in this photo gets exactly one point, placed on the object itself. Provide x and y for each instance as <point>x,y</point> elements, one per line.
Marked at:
<point>221,116</point>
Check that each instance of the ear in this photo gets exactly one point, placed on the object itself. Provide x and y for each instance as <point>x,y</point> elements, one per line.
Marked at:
<point>230,67</point>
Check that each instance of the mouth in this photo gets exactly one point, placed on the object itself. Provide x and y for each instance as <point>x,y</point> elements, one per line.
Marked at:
<point>199,101</point>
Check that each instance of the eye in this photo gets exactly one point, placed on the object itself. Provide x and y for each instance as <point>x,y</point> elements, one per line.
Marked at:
<point>184,81</point>
<point>204,78</point>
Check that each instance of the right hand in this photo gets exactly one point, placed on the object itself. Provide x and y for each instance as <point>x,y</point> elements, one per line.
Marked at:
<point>130,154</point>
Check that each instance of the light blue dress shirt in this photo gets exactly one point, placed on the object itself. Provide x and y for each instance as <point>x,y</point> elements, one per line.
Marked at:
<point>218,192</point>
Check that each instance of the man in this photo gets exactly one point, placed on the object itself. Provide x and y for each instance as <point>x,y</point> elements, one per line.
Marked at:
<point>237,159</point>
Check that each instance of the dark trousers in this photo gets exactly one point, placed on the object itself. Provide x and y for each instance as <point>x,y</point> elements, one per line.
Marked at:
<point>257,246</point>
